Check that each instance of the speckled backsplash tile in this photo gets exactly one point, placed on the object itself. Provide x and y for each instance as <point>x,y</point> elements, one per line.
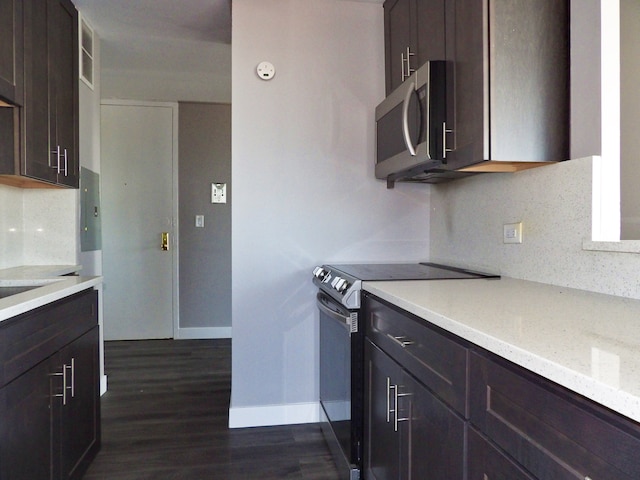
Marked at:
<point>554,205</point>
<point>11,215</point>
<point>50,227</point>
<point>38,227</point>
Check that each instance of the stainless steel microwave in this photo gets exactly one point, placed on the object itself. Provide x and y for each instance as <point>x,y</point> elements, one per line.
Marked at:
<point>411,127</point>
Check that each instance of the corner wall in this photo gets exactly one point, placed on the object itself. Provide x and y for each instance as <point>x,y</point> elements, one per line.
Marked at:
<point>205,252</point>
<point>304,189</point>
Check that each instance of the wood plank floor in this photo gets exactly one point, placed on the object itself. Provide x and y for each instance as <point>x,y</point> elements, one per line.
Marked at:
<point>165,416</point>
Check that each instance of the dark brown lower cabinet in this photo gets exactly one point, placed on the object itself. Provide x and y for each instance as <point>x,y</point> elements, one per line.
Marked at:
<point>26,425</point>
<point>439,408</point>
<point>551,432</point>
<point>486,462</point>
<point>409,432</point>
<point>79,419</point>
<point>50,399</point>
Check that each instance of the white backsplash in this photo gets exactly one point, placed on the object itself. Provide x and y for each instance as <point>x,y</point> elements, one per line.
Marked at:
<point>38,227</point>
<point>11,234</point>
<point>554,204</point>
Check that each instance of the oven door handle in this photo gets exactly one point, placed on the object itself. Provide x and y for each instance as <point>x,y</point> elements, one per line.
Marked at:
<point>323,302</point>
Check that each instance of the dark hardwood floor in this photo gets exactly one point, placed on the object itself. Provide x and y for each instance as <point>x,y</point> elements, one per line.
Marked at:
<point>165,416</point>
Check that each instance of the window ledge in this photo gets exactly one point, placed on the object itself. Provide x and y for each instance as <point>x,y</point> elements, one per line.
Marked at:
<point>623,246</point>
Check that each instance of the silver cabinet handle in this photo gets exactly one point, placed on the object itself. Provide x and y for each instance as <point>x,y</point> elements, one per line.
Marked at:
<point>395,407</point>
<point>406,73</point>
<point>72,367</point>
<point>66,164</point>
<point>62,374</point>
<point>444,140</point>
<point>401,340</point>
<point>389,387</point>
<point>55,152</point>
<point>60,155</point>
<point>405,120</point>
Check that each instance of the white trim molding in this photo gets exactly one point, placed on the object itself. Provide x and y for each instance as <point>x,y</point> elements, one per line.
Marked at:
<point>269,415</point>
<point>182,333</point>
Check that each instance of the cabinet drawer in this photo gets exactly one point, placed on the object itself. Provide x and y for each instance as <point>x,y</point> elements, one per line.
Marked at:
<point>433,357</point>
<point>31,337</point>
<point>552,432</point>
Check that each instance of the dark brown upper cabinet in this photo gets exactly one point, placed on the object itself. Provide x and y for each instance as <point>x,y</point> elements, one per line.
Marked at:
<point>44,132</point>
<point>11,53</point>
<point>414,34</point>
<point>511,85</point>
<point>507,77</point>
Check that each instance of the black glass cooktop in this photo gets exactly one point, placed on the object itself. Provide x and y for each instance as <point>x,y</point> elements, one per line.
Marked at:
<point>369,272</point>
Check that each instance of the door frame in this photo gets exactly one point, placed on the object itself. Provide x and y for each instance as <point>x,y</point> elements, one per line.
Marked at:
<point>174,239</point>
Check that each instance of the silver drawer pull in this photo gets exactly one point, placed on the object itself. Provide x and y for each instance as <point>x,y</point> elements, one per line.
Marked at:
<point>397,395</point>
<point>389,388</point>
<point>400,340</point>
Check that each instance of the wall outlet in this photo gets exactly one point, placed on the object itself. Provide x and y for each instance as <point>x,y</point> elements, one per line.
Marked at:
<point>512,233</point>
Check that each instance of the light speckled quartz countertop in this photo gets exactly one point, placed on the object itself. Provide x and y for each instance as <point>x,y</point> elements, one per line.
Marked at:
<point>50,286</point>
<point>587,342</point>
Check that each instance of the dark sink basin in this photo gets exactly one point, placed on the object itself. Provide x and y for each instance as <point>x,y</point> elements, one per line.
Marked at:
<point>8,291</point>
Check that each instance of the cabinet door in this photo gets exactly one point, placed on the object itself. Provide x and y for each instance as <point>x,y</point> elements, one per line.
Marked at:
<point>399,35</point>
<point>511,81</point>
<point>63,43</point>
<point>435,434</point>
<point>25,429</point>
<point>430,31</point>
<point>468,87</point>
<point>382,440</point>
<point>486,462</point>
<point>551,432</point>
<point>36,162</point>
<point>80,425</point>
<point>11,51</point>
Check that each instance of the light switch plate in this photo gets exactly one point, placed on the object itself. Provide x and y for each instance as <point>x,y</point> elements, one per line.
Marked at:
<point>200,221</point>
<point>218,193</point>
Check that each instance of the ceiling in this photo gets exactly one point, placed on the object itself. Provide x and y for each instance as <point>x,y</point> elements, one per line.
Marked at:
<point>185,41</point>
<point>119,20</point>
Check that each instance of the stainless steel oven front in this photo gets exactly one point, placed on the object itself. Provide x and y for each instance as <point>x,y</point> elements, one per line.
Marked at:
<point>341,385</point>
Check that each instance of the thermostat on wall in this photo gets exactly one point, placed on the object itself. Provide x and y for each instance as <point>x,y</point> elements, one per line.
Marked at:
<point>266,70</point>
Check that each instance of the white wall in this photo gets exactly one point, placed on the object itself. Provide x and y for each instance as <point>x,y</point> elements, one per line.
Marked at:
<point>303,152</point>
<point>630,116</point>
<point>89,124</point>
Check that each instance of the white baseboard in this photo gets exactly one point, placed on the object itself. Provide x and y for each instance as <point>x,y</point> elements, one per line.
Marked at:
<point>202,333</point>
<point>269,415</point>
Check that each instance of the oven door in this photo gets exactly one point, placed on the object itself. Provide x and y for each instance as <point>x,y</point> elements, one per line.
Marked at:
<point>340,392</point>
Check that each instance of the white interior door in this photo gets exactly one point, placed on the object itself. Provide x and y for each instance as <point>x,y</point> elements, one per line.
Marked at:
<point>139,203</point>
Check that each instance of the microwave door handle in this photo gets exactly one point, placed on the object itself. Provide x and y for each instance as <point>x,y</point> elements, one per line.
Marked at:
<point>405,119</point>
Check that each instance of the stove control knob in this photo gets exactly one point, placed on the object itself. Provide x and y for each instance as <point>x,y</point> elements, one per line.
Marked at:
<point>344,286</point>
<point>320,273</point>
<point>335,282</point>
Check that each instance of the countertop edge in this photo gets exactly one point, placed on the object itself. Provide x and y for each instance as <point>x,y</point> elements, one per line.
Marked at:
<point>616,399</point>
<point>49,292</point>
